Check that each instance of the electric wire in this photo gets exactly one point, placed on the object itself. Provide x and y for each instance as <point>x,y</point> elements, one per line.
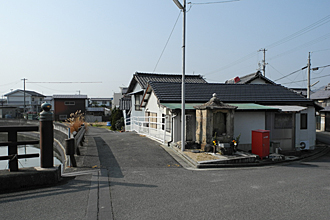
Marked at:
<point>316,24</point>
<point>305,30</point>
<point>306,79</point>
<point>206,3</point>
<point>167,42</point>
<point>291,73</point>
<point>63,82</point>
<point>317,40</point>
<point>12,83</point>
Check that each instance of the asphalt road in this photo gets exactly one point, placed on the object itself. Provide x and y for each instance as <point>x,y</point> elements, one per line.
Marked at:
<point>323,137</point>
<point>145,182</point>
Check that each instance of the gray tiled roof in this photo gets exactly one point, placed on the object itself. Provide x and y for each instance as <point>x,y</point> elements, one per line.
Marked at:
<point>321,94</point>
<point>144,78</point>
<point>250,77</point>
<point>32,93</point>
<point>101,99</point>
<point>69,96</point>
<point>229,93</point>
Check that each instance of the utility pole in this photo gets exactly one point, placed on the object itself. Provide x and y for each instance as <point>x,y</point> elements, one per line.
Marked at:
<point>309,75</point>
<point>264,61</point>
<point>183,88</point>
<point>24,95</point>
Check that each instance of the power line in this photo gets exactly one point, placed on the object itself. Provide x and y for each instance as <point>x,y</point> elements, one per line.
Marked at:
<point>311,78</point>
<point>10,83</point>
<point>316,24</point>
<point>64,82</point>
<point>167,41</point>
<point>317,40</point>
<point>291,73</point>
<point>316,68</point>
<point>205,3</point>
<point>305,30</point>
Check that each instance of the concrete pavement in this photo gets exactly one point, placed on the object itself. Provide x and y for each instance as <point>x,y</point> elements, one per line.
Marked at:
<point>121,176</point>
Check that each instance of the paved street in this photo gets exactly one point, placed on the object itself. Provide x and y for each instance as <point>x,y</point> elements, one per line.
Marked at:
<point>134,178</point>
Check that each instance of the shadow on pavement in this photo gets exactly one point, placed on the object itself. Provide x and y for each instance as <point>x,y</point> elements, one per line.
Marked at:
<point>107,159</point>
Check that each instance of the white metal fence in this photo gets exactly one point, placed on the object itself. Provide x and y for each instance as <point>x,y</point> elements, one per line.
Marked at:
<point>158,128</point>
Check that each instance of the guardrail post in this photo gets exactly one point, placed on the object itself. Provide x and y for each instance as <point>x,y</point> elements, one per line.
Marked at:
<point>46,137</point>
<point>12,150</point>
<point>70,150</point>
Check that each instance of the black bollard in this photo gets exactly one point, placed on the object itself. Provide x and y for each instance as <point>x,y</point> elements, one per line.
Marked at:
<point>46,137</point>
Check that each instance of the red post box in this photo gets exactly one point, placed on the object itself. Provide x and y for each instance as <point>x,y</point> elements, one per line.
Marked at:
<point>260,142</point>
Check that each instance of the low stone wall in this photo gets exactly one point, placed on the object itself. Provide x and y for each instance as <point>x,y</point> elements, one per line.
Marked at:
<point>29,177</point>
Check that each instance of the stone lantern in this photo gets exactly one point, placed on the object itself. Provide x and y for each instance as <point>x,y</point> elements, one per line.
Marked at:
<point>214,118</point>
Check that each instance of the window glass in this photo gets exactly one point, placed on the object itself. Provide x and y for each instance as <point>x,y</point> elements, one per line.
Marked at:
<point>283,121</point>
<point>303,121</point>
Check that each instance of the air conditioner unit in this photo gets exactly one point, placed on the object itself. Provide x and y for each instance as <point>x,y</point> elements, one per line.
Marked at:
<point>304,145</point>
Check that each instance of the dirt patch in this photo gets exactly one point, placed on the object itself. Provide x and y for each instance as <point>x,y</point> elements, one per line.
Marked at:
<point>202,156</point>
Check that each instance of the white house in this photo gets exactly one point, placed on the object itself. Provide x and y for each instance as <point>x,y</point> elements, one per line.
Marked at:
<point>33,100</point>
<point>290,117</point>
<point>131,102</point>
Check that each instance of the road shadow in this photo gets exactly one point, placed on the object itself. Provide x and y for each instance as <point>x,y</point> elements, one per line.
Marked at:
<point>107,158</point>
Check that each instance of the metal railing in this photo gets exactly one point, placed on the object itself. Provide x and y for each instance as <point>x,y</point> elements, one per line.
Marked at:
<point>12,144</point>
<point>156,128</point>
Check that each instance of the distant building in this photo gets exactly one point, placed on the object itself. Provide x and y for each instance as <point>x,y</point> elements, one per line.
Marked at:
<point>64,105</point>
<point>117,96</point>
<point>33,100</point>
<point>253,78</point>
<point>322,98</point>
<point>100,102</point>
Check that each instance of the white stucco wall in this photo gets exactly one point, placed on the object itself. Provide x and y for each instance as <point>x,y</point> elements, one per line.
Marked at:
<point>245,122</point>
<point>135,113</point>
<point>258,81</point>
<point>308,134</point>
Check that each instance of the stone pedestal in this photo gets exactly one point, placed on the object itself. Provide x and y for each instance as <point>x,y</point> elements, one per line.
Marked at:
<point>214,118</point>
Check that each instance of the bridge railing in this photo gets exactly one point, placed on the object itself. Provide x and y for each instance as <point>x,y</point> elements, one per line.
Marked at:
<point>12,144</point>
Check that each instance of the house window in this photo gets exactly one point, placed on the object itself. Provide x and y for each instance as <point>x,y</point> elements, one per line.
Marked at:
<point>303,121</point>
<point>137,102</point>
<point>283,121</point>
<point>168,123</point>
<point>62,117</point>
<point>147,116</point>
<point>153,120</point>
<point>69,103</point>
<point>163,121</point>
<point>32,99</point>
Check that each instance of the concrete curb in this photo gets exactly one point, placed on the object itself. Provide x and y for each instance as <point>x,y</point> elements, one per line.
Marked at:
<point>197,165</point>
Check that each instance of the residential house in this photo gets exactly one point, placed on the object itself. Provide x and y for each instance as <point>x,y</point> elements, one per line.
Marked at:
<point>131,102</point>
<point>253,78</point>
<point>117,96</point>
<point>30,100</point>
<point>100,102</point>
<point>322,98</point>
<point>289,116</point>
<point>64,105</point>
<point>99,114</point>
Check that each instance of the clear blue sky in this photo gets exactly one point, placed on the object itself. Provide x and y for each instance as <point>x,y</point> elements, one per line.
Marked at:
<point>107,41</point>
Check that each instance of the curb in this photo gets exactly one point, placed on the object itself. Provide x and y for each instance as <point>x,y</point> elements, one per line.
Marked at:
<point>197,165</point>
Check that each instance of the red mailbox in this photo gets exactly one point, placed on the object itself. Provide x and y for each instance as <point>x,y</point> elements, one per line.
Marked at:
<point>260,142</point>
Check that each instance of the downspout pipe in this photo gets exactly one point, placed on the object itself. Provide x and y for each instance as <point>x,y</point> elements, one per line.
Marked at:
<point>168,143</point>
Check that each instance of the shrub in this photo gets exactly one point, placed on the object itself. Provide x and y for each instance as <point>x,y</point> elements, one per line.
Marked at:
<point>76,120</point>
